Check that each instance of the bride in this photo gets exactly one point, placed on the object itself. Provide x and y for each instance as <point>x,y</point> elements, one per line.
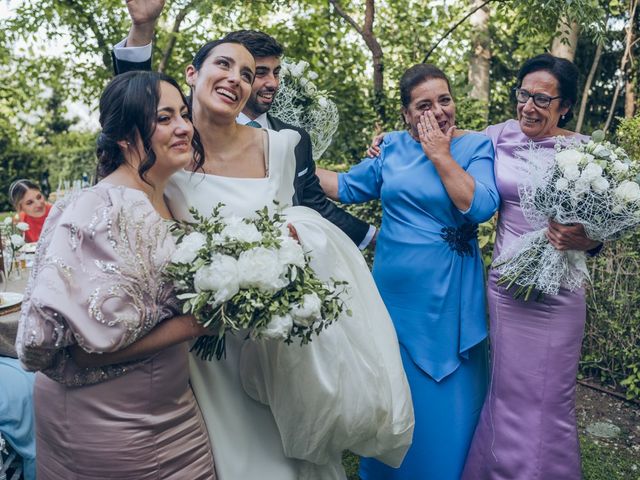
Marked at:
<point>277,411</point>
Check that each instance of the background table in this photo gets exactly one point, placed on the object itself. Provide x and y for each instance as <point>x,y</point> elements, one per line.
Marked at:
<point>9,321</point>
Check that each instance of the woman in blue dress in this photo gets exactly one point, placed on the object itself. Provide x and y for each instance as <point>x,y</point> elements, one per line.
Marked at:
<point>436,184</point>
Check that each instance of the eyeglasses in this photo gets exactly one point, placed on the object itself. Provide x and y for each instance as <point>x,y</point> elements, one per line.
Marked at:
<point>539,99</point>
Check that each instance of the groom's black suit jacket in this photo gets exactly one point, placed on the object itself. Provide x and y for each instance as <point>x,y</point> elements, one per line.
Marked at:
<point>307,190</point>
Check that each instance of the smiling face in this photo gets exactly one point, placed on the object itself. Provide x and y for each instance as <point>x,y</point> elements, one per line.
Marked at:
<point>171,139</point>
<point>222,85</point>
<point>264,87</point>
<point>33,203</point>
<point>432,94</point>
<point>537,122</point>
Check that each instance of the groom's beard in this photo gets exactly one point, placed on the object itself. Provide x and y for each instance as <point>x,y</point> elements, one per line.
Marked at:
<point>260,102</point>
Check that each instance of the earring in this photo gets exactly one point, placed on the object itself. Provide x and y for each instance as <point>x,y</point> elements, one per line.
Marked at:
<point>563,117</point>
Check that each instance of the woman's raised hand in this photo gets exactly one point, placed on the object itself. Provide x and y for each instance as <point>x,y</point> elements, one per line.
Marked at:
<point>144,11</point>
<point>435,143</point>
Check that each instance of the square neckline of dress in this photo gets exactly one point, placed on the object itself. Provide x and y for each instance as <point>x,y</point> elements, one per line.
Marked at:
<point>267,163</point>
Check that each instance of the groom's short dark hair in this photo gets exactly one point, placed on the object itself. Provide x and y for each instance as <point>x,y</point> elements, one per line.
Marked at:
<point>259,44</point>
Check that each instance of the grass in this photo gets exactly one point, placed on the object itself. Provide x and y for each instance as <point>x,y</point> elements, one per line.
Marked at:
<point>599,462</point>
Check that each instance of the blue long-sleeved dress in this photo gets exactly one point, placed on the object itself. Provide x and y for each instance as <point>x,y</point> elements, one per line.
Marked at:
<point>429,271</point>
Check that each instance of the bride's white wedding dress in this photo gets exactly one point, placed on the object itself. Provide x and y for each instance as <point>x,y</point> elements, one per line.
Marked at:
<point>286,412</point>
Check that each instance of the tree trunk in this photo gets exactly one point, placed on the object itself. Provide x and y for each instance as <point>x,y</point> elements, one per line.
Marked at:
<point>566,40</point>
<point>626,56</point>
<point>632,79</point>
<point>366,32</point>
<point>587,87</point>
<point>480,62</point>
<point>630,97</point>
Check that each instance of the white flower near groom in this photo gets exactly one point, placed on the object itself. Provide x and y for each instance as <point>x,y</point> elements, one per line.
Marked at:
<point>291,253</point>
<point>238,229</point>
<point>188,249</point>
<point>220,276</point>
<point>260,267</point>
<point>308,312</point>
<point>279,327</point>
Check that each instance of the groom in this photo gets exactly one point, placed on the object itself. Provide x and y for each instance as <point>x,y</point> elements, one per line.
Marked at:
<point>134,53</point>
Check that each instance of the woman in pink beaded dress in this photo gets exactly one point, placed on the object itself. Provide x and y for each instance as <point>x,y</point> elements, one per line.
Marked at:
<point>97,288</point>
<point>527,429</point>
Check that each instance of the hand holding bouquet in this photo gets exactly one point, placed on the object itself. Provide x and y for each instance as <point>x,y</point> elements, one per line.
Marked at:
<point>238,274</point>
<point>594,184</point>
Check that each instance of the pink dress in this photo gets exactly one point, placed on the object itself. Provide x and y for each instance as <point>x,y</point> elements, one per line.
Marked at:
<point>97,282</point>
<point>527,428</point>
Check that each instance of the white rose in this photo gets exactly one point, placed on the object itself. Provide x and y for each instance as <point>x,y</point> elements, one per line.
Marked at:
<point>628,191</point>
<point>601,151</point>
<point>188,248</point>
<point>8,220</point>
<point>568,158</point>
<point>591,172</point>
<point>17,241</point>
<point>572,172</point>
<point>295,70</point>
<point>304,315</point>
<point>312,75</point>
<point>22,226</point>
<point>302,65</point>
<point>562,184</point>
<point>220,276</point>
<point>600,184</point>
<point>284,69</point>
<point>323,102</point>
<point>587,158</point>
<point>260,267</point>
<point>291,252</point>
<point>278,327</point>
<point>620,167</point>
<point>581,186</point>
<point>310,89</point>
<point>238,229</point>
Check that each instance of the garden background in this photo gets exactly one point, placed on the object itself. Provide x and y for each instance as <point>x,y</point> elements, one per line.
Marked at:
<point>55,55</point>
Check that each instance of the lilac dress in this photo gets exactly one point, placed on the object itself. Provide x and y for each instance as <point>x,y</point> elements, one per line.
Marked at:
<point>97,282</point>
<point>527,428</point>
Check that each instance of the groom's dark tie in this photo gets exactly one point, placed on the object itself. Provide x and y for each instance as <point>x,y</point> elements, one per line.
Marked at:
<point>253,124</point>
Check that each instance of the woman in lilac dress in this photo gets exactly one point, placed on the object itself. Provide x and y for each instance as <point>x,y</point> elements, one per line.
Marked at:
<point>97,287</point>
<point>527,429</point>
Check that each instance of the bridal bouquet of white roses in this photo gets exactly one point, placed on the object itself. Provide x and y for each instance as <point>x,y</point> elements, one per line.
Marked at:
<point>247,274</point>
<point>299,102</point>
<point>595,184</point>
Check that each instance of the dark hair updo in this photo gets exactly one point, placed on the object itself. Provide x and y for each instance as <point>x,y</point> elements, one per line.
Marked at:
<point>18,189</point>
<point>128,109</point>
<point>414,76</point>
<point>204,51</point>
<point>564,71</point>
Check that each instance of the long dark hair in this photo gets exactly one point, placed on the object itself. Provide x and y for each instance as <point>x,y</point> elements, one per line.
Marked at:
<point>128,108</point>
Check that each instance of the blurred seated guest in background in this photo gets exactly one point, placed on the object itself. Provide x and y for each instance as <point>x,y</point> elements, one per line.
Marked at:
<point>31,205</point>
<point>16,413</point>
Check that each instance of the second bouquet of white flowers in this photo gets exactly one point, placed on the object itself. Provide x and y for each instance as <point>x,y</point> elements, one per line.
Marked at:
<point>594,184</point>
<point>248,275</point>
